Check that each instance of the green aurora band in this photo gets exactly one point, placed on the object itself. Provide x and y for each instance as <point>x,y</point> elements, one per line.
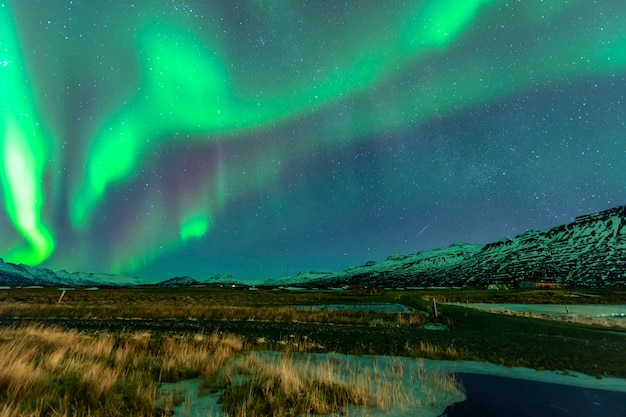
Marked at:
<point>189,89</point>
<point>24,149</point>
<point>186,88</point>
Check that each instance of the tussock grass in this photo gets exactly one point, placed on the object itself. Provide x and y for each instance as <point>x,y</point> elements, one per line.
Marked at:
<point>593,321</point>
<point>198,356</point>
<point>432,351</point>
<point>290,385</point>
<point>572,318</point>
<point>218,312</point>
<point>50,371</point>
<point>196,304</point>
<point>476,335</point>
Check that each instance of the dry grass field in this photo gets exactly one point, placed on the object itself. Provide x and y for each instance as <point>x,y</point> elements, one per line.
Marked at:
<point>107,352</point>
<point>54,372</point>
<point>194,304</point>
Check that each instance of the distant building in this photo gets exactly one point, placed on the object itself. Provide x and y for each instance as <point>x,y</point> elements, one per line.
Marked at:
<point>534,285</point>
<point>552,285</point>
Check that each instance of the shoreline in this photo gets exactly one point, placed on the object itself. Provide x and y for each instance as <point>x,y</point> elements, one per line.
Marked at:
<point>488,389</point>
<point>489,395</point>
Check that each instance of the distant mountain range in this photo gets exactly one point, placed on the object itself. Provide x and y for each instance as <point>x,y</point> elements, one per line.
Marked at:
<point>220,280</point>
<point>23,275</point>
<point>590,251</point>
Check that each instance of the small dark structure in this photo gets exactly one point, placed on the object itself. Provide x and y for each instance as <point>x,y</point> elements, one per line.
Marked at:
<point>535,285</point>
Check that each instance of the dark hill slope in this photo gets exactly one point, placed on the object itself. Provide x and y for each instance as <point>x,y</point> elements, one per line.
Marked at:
<point>589,251</point>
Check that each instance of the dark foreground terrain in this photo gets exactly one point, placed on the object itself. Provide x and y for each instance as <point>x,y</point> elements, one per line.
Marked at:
<point>265,319</point>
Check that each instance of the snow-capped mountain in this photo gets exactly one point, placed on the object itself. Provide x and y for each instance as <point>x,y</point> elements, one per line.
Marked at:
<point>590,251</point>
<point>21,275</point>
<point>219,280</point>
<point>301,278</point>
<point>430,267</point>
<point>185,281</point>
<point>11,274</point>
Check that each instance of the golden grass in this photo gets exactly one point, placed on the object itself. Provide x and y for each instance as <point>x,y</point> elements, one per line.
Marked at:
<point>196,304</point>
<point>48,371</point>
<point>592,321</point>
<point>431,351</point>
<point>287,385</point>
<point>203,312</point>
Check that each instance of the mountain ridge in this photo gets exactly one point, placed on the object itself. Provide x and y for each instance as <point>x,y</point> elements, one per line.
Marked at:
<point>588,251</point>
<point>24,275</point>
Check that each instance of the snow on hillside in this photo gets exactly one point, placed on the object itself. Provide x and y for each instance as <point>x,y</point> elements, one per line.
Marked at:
<point>185,281</point>
<point>302,278</point>
<point>435,259</point>
<point>222,279</point>
<point>12,274</point>
<point>89,278</point>
<point>423,262</point>
<point>401,270</point>
<point>589,251</point>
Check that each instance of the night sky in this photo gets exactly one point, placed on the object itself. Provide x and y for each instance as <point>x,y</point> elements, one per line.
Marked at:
<point>159,138</point>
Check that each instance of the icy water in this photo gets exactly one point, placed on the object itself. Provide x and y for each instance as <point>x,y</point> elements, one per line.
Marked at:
<point>489,395</point>
<point>378,307</point>
<point>489,390</point>
<point>585,310</point>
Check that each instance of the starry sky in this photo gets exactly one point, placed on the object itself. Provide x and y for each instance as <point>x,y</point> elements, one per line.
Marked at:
<point>158,138</point>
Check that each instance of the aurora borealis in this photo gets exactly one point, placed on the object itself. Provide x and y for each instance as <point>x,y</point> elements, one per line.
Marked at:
<point>161,138</point>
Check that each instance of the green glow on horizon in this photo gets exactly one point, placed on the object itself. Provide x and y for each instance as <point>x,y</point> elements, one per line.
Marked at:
<point>24,148</point>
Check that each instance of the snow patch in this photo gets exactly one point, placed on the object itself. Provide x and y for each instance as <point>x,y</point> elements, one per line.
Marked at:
<point>376,307</point>
<point>584,310</point>
<point>428,403</point>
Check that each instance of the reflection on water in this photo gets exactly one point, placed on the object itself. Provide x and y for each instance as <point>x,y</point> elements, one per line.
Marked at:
<point>489,395</point>
<point>586,310</point>
<point>377,307</point>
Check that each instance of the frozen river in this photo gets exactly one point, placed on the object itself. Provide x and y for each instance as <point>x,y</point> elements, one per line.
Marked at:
<point>377,307</point>
<point>584,310</point>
